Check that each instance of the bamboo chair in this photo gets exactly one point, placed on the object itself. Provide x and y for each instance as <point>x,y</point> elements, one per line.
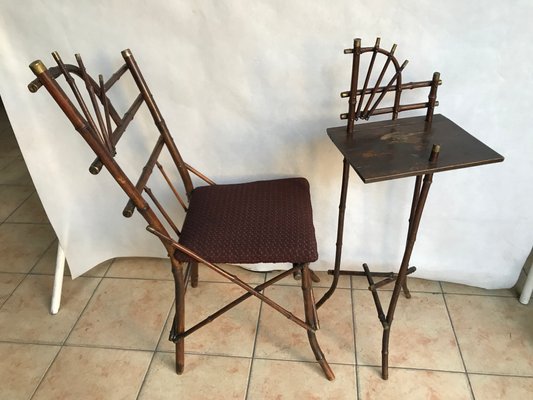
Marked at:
<point>256,222</point>
<point>375,74</point>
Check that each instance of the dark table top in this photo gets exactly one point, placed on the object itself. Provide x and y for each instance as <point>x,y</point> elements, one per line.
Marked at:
<point>384,150</point>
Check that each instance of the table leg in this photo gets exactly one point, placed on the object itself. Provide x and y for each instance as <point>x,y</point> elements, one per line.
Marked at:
<point>419,200</point>
<point>400,279</point>
<point>340,230</point>
<point>416,196</point>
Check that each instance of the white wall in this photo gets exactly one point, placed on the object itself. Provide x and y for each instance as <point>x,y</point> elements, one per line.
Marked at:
<point>248,89</point>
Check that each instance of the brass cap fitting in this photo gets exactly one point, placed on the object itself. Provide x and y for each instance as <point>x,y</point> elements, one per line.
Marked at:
<point>38,67</point>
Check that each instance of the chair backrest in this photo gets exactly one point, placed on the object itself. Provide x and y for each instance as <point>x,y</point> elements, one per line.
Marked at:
<point>364,101</point>
<point>97,130</point>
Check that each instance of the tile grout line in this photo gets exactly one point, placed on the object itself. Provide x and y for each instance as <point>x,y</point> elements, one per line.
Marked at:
<point>84,308</point>
<point>25,223</point>
<point>45,373</point>
<point>41,257</point>
<point>15,184</point>
<point>457,341</point>
<point>64,340</point>
<point>503,375</point>
<point>25,274</point>
<point>13,291</point>
<point>154,352</point>
<point>8,164</point>
<point>16,208</point>
<point>357,384</point>
<point>289,360</point>
<point>248,380</point>
<point>78,345</point>
<point>417,369</point>
<point>430,292</point>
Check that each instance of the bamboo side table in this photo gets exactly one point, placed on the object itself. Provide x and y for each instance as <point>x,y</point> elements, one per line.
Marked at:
<point>387,150</point>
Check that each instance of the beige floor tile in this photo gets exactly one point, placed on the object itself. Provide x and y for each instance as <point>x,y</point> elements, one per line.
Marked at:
<point>4,160</point>
<point>412,385</point>
<point>31,211</point>
<point>17,252</point>
<point>325,280</point>
<point>489,387</point>
<point>495,333</point>
<point>274,379</point>
<point>8,283</point>
<point>204,378</point>
<point>414,284</point>
<point>47,264</point>
<point>23,366</point>
<point>9,148</point>
<point>8,143</point>
<point>206,274</point>
<point>12,197</point>
<point>94,374</point>
<point>141,267</point>
<point>15,173</point>
<point>455,288</point>
<point>421,334</point>
<point>233,333</point>
<point>125,313</point>
<point>279,338</point>
<point>26,317</point>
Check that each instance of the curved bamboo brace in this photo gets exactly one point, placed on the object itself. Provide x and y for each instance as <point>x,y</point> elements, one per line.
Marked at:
<point>105,102</point>
<point>396,77</point>
<point>356,97</point>
<point>92,95</point>
<point>97,165</point>
<point>76,92</point>
<point>390,57</point>
<point>367,79</point>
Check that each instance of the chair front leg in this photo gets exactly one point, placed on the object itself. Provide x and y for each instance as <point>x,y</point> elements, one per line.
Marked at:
<point>311,317</point>
<point>179,318</point>
<point>194,274</point>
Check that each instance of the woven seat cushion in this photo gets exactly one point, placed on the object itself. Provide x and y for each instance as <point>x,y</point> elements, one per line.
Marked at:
<point>257,222</point>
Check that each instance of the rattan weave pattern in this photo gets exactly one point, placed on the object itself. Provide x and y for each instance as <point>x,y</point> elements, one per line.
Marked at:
<point>257,222</point>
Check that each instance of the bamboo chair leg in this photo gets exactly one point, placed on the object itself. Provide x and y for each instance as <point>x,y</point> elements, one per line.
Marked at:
<point>179,318</point>
<point>311,318</point>
<point>297,274</point>
<point>194,274</point>
<point>406,291</point>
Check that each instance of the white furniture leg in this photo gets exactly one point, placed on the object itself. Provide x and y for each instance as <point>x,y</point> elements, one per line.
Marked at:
<point>525,296</point>
<point>58,280</point>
